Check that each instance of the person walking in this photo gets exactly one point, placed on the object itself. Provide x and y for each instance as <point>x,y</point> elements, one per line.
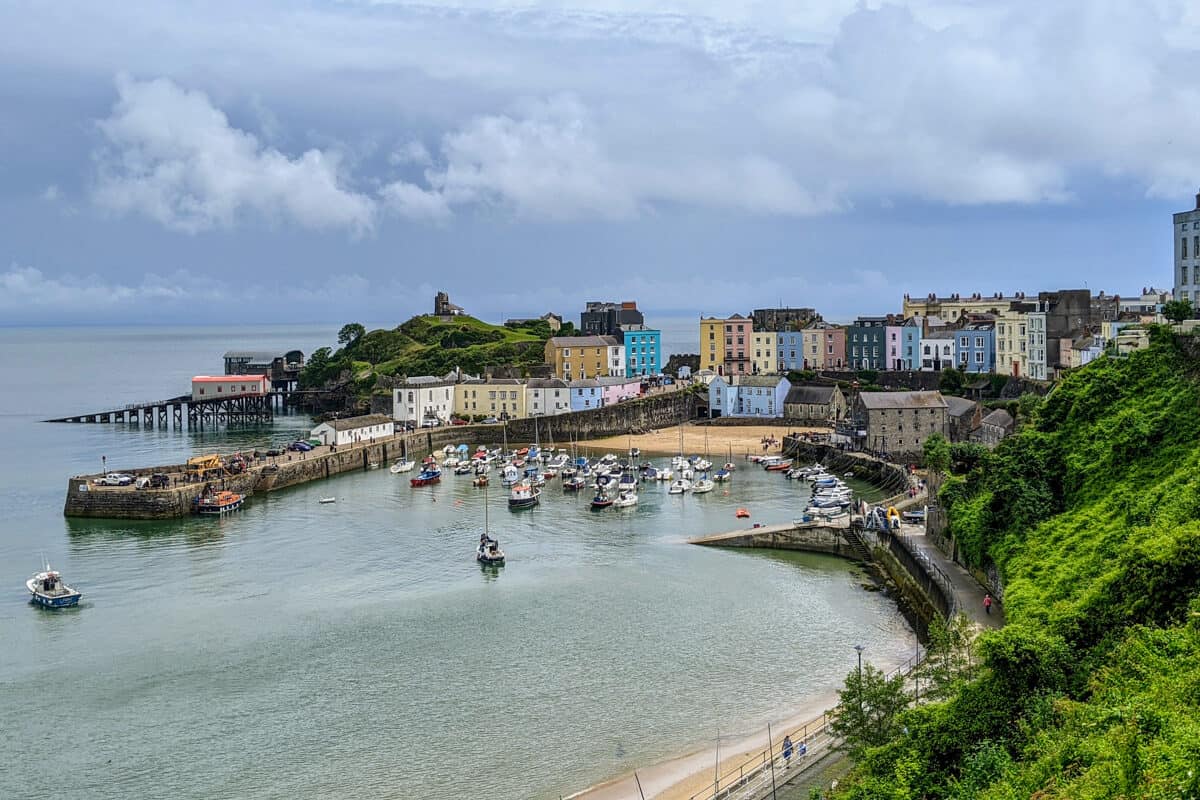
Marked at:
<point>802,750</point>
<point>987,603</point>
<point>787,751</point>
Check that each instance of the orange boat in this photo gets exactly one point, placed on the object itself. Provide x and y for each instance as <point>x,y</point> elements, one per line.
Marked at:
<point>741,513</point>
<point>216,503</point>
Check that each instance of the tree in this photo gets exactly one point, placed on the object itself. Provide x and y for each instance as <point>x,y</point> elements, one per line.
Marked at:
<point>868,710</point>
<point>949,656</point>
<point>1177,310</point>
<point>937,453</point>
<point>350,333</point>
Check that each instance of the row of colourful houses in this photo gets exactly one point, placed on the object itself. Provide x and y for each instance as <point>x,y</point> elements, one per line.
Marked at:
<point>1031,337</point>
<point>427,399</point>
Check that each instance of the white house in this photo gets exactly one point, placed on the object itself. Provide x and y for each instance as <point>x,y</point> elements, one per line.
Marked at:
<point>546,397</point>
<point>936,349</point>
<point>353,430</point>
<point>423,398</point>
<point>216,387</point>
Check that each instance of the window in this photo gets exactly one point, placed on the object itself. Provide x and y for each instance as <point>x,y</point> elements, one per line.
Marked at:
<point>962,342</point>
<point>1196,245</point>
<point>1022,330</point>
<point>979,358</point>
<point>1183,274</point>
<point>1183,246</point>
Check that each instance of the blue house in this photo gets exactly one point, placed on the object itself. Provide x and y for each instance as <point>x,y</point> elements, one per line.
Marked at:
<point>586,393</point>
<point>975,347</point>
<point>643,350</point>
<point>865,343</point>
<point>910,343</point>
<point>759,396</point>
<point>790,346</point>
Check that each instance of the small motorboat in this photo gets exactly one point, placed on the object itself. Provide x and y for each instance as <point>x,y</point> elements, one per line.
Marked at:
<point>489,553</point>
<point>217,503</point>
<point>522,496</point>
<point>635,452</point>
<point>463,468</point>
<point>327,500</point>
<point>729,466</point>
<point>574,483</point>
<point>722,475</point>
<point>403,465</point>
<point>479,481</point>
<point>47,589</point>
<point>372,465</point>
<point>602,499</point>
<point>428,476</point>
<point>742,513</point>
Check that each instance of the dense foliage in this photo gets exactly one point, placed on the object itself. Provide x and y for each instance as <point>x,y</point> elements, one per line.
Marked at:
<point>426,345</point>
<point>1091,514</point>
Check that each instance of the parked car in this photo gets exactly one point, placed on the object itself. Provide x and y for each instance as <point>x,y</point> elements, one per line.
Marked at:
<point>459,421</point>
<point>274,451</point>
<point>491,420</point>
<point>409,425</point>
<point>430,423</point>
<point>300,447</point>
<point>114,479</point>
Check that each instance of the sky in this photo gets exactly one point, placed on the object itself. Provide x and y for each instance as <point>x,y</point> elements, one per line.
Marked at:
<point>207,162</point>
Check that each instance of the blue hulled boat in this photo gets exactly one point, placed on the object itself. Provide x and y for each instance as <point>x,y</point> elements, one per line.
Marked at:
<point>48,590</point>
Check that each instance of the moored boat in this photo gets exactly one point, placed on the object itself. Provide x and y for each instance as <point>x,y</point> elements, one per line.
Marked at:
<point>47,589</point>
<point>216,503</point>
<point>403,465</point>
<point>602,499</point>
<point>703,485</point>
<point>626,498</point>
<point>522,496</point>
<point>489,553</point>
<point>428,475</point>
<point>679,486</point>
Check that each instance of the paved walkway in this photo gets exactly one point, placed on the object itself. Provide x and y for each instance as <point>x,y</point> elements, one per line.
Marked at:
<point>968,594</point>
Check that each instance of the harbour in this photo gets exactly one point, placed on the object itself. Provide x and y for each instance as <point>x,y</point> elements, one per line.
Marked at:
<point>271,639</point>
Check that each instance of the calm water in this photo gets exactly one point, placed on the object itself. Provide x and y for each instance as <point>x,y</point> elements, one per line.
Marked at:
<point>355,649</point>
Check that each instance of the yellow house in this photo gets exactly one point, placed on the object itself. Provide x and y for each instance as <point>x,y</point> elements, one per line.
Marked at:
<point>581,357</point>
<point>502,398</point>
<point>1012,329</point>
<point>712,343</point>
<point>813,340</point>
<point>763,359</point>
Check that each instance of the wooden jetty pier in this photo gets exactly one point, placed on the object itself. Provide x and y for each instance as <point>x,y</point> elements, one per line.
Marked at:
<point>184,412</point>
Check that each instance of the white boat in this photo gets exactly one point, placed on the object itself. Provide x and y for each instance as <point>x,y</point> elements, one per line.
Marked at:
<point>679,463</point>
<point>626,498</point>
<point>403,465</point>
<point>47,589</point>
<point>666,474</point>
<point>680,486</point>
<point>703,485</point>
<point>722,475</point>
<point>326,500</point>
<point>373,465</point>
<point>509,475</point>
<point>702,465</point>
<point>449,462</point>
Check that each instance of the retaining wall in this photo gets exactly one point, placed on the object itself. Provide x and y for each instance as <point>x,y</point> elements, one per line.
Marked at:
<point>813,538</point>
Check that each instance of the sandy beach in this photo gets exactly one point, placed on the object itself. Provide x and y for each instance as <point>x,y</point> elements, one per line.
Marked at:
<point>721,440</point>
<point>683,777</point>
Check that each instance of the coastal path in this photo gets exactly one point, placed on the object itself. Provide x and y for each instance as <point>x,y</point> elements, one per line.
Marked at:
<point>968,594</point>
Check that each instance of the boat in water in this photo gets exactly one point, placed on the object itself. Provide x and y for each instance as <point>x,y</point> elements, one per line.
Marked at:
<point>722,475</point>
<point>327,500</point>
<point>217,503</point>
<point>603,499</point>
<point>428,476</point>
<point>403,465</point>
<point>46,589</point>
<point>626,498</point>
<point>522,496</point>
<point>679,486</point>
<point>489,553</point>
<point>574,483</point>
<point>703,485</point>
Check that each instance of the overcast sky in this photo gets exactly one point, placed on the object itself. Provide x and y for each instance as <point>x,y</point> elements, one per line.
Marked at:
<point>332,161</point>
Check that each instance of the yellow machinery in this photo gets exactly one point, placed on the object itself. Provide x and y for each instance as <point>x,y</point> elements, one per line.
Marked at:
<point>205,467</point>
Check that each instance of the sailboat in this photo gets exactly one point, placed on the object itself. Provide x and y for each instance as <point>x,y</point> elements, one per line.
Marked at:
<point>703,464</point>
<point>488,553</point>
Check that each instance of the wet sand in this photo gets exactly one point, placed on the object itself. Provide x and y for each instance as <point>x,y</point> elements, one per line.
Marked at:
<point>683,777</point>
<point>741,440</point>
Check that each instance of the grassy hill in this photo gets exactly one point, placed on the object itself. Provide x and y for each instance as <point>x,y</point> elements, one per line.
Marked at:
<point>425,345</point>
<point>1092,516</point>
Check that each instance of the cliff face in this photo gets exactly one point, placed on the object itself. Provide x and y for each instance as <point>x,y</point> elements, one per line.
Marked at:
<point>1091,518</point>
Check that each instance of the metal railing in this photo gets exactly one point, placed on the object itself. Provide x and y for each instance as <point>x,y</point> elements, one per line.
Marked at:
<point>754,775</point>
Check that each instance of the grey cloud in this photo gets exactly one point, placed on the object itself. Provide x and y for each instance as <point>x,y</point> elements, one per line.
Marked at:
<point>174,157</point>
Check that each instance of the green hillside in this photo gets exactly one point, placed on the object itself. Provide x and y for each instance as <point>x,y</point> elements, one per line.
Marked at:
<point>1092,516</point>
<point>426,345</point>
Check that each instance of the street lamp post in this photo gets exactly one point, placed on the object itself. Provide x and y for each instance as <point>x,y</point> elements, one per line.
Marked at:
<point>859,648</point>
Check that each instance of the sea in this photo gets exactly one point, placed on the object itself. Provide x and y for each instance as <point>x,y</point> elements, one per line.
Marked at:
<point>355,649</point>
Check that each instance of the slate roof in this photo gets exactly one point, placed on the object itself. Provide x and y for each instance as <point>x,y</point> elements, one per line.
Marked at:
<point>584,341</point>
<point>1000,418</point>
<point>767,381</point>
<point>810,395</point>
<point>960,406</point>
<point>352,423</point>
<point>875,401</point>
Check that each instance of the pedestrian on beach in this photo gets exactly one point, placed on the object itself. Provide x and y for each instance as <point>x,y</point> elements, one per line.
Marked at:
<point>787,751</point>
<point>987,603</point>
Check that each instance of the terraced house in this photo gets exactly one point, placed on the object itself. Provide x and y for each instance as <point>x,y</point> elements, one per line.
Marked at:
<point>579,357</point>
<point>643,350</point>
<point>502,398</point>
